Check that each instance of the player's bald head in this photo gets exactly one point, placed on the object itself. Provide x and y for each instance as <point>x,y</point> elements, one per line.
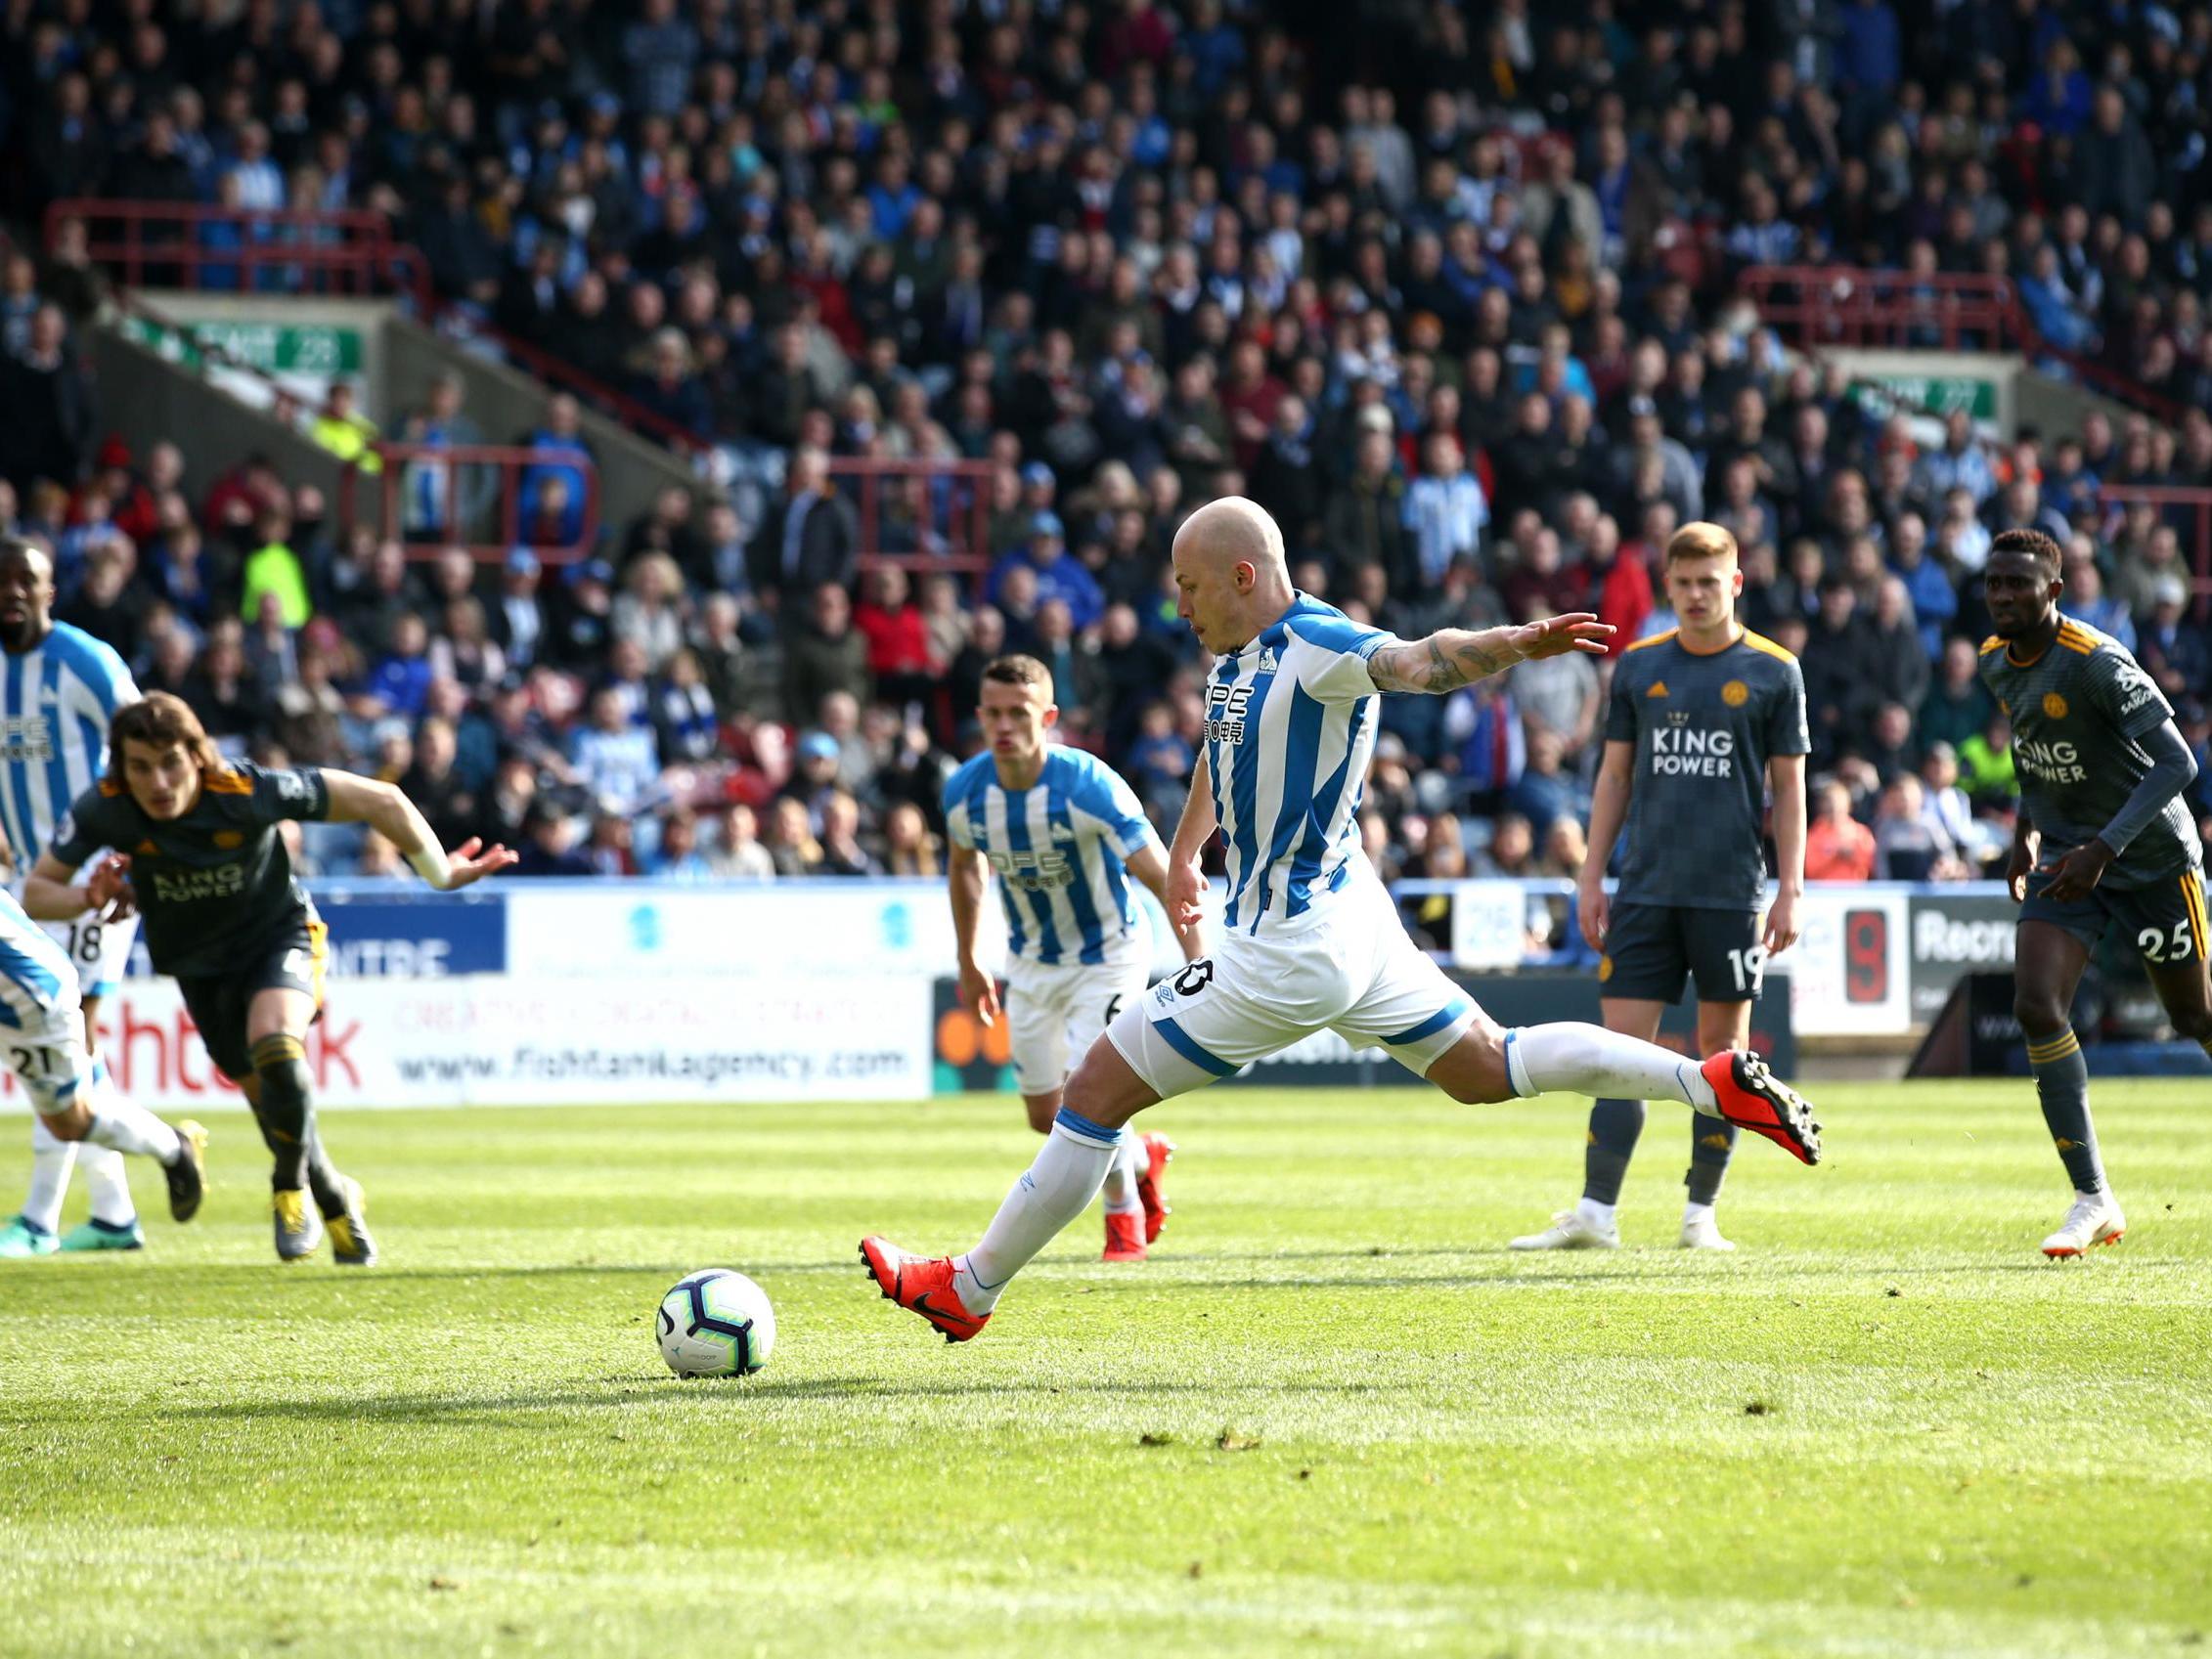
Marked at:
<point>1229,571</point>
<point>1229,531</point>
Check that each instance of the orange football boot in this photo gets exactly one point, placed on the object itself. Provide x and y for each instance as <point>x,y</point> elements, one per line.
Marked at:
<point>920,1284</point>
<point>1753,1097</point>
<point>1124,1238</point>
<point>1159,1152</point>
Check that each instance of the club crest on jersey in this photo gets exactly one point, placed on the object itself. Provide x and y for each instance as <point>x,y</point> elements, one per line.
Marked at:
<point>1266,659</point>
<point>1735,694</point>
<point>2053,705</point>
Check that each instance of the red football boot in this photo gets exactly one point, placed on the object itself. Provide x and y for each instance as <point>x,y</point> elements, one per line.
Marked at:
<point>1754,1098</point>
<point>920,1284</point>
<point>1124,1238</point>
<point>1159,1152</point>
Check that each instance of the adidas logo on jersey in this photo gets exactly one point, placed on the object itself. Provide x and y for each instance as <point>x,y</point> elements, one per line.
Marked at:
<point>1658,689</point>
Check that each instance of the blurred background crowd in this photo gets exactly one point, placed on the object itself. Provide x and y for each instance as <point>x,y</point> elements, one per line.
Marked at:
<point>1450,289</point>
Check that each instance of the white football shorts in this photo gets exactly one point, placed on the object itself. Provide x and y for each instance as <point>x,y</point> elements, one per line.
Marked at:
<point>1055,1013</point>
<point>1355,972</point>
<point>99,951</point>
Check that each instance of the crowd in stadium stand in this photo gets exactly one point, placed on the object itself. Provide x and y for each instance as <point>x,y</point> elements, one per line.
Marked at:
<point>1449,289</point>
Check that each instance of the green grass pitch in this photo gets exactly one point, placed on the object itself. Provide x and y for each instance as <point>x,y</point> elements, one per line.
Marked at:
<point>1332,1414</point>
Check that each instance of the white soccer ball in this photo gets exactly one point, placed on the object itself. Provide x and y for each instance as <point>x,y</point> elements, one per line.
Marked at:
<point>716,1323</point>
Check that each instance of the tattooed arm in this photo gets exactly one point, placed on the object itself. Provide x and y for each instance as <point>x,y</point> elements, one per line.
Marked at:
<point>1452,657</point>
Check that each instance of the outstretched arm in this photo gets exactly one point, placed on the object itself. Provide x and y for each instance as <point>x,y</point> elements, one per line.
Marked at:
<point>1452,657</point>
<point>356,799</point>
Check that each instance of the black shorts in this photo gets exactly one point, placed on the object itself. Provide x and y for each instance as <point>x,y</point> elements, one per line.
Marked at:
<point>2164,921</point>
<point>1652,948</point>
<point>291,960</point>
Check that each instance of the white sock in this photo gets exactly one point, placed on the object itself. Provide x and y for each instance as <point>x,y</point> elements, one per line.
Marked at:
<point>1598,1216</point>
<point>1589,1060</point>
<point>1693,1213</point>
<point>1058,1188</point>
<point>132,1128</point>
<point>1121,1178</point>
<point>51,1160</point>
<point>108,1185</point>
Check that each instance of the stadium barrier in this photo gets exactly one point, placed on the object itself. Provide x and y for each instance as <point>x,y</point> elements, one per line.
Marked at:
<point>617,993</point>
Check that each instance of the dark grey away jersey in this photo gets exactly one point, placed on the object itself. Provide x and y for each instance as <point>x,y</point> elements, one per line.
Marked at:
<point>1705,727</point>
<point>2079,713</point>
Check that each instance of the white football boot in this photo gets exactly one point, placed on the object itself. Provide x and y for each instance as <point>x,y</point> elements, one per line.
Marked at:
<point>1702,1231</point>
<point>1572,1230</point>
<point>2095,1219</point>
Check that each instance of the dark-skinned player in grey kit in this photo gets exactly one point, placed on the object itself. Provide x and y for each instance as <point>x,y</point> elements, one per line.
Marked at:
<point>2103,837</point>
<point>198,853</point>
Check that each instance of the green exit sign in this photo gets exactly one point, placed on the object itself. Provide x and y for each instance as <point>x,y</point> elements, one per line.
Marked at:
<point>273,348</point>
<point>1926,394</point>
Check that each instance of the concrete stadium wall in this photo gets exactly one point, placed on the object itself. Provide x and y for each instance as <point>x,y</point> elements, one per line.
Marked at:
<point>147,398</point>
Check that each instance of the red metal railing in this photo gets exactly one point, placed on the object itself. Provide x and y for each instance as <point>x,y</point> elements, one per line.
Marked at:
<point>956,511</point>
<point>454,470</point>
<point>195,246</point>
<point>342,251</point>
<point>2173,503</point>
<point>1846,305</point>
<point>1851,306</point>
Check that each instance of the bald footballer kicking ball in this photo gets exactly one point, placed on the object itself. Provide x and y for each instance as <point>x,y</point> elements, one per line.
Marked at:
<point>716,1323</point>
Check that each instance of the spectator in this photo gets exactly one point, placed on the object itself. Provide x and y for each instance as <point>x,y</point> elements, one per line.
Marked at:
<point>46,408</point>
<point>616,760</point>
<point>812,539</point>
<point>1365,522</point>
<point>561,457</point>
<point>792,845</point>
<point>739,855</point>
<point>1837,846</point>
<point>1445,509</point>
<point>1907,845</point>
<point>683,716</point>
<point>400,682</point>
<point>1058,578</point>
<point>443,498</point>
<point>275,570</point>
<point>342,429</point>
<point>649,612</point>
<point>2085,598</point>
<point>549,847</point>
<point>824,654</point>
<point>677,858</point>
<point>899,652</point>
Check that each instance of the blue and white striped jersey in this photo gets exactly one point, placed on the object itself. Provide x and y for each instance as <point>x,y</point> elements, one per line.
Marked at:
<point>1290,727</point>
<point>38,988</point>
<point>1058,847</point>
<point>55,701</point>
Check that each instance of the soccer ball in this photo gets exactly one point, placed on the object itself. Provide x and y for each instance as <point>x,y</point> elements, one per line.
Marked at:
<point>716,1323</point>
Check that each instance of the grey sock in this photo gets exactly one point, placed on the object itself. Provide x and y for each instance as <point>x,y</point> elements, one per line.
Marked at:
<point>2061,1084</point>
<point>1614,1126</point>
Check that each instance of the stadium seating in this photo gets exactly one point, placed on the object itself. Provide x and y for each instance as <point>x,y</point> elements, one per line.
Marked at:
<point>1479,316</point>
